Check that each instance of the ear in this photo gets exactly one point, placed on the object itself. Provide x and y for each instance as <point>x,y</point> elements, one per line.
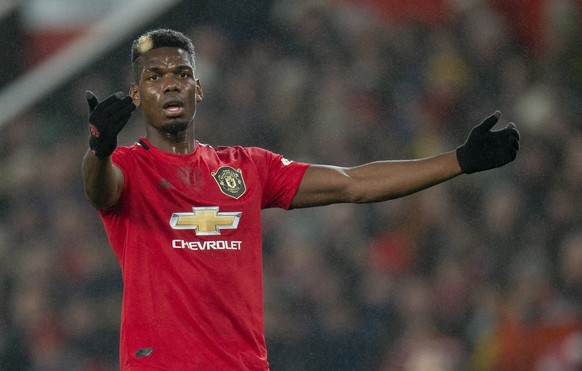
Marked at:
<point>134,94</point>
<point>199,94</point>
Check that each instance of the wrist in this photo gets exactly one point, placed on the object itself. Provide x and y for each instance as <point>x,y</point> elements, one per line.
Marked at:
<point>466,164</point>
<point>457,164</point>
<point>102,146</point>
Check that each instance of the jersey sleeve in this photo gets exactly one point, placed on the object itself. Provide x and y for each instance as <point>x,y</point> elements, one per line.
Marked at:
<point>280,177</point>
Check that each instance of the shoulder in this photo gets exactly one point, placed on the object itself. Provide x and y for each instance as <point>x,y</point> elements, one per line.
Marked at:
<point>261,157</point>
<point>128,150</point>
<point>249,151</point>
<point>236,152</point>
<point>123,154</point>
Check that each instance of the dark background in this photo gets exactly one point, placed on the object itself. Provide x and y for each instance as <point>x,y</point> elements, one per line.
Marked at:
<point>480,273</point>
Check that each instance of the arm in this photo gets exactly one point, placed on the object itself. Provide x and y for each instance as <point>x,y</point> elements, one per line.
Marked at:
<point>373,182</point>
<point>385,180</point>
<point>102,180</point>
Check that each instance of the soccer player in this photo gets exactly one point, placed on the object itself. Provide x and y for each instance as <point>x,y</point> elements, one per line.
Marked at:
<point>183,217</point>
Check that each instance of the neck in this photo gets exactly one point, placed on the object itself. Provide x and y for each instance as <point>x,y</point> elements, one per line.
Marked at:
<point>182,142</point>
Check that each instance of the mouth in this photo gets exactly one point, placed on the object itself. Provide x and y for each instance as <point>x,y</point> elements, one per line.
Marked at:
<point>173,108</point>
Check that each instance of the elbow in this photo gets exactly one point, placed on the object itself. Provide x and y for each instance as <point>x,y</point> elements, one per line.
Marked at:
<point>370,194</point>
<point>357,195</point>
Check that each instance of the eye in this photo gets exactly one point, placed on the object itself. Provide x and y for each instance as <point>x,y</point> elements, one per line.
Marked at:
<point>184,75</point>
<point>153,77</point>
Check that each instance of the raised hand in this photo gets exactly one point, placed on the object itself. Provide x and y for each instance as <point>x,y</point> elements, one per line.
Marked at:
<point>485,149</point>
<point>106,119</point>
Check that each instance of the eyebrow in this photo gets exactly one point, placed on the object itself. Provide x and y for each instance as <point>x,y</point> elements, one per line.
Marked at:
<point>155,69</point>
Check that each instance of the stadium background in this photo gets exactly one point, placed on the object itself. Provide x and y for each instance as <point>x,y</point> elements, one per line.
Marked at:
<point>481,273</point>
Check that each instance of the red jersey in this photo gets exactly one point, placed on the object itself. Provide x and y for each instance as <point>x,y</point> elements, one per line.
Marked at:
<point>187,233</point>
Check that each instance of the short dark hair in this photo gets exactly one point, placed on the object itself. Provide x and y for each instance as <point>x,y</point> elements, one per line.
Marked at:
<point>158,39</point>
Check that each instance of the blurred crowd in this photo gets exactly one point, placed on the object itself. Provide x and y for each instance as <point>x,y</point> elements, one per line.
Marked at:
<point>483,272</point>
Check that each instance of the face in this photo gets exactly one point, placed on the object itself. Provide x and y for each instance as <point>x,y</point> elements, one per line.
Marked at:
<point>167,90</point>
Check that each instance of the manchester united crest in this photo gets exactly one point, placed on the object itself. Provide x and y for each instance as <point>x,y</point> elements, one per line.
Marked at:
<point>230,181</point>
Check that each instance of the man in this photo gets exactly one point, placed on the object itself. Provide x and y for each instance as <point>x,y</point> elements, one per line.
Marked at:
<point>183,217</point>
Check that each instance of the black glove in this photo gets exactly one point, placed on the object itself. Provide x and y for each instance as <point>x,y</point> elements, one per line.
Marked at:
<point>106,119</point>
<point>486,149</point>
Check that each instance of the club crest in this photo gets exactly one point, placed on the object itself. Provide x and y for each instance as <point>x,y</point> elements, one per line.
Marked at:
<point>230,181</point>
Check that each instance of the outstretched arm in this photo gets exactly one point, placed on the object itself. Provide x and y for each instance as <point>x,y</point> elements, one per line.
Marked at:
<point>385,180</point>
<point>102,180</point>
<point>373,182</point>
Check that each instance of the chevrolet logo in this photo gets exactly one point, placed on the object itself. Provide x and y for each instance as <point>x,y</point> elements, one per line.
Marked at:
<point>205,221</point>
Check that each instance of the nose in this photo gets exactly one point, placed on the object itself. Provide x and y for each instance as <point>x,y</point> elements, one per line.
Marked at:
<point>170,84</point>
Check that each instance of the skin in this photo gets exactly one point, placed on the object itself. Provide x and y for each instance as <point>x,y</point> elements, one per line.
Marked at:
<point>167,75</point>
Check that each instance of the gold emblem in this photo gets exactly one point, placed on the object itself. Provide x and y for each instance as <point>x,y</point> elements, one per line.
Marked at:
<point>230,181</point>
<point>205,220</point>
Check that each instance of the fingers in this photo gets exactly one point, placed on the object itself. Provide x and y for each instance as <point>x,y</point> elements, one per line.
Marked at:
<point>114,106</point>
<point>513,135</point>
<point>91,99</point>
<point>111,114</point>
<point>126,103</point>
<point>112,99</point>
<point>513,129</point>
<point>122,110</point>
<point>515,144</point>
<point>489,122</point>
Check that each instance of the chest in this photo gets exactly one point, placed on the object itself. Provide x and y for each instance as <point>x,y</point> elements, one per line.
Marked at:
<point>215,181</point>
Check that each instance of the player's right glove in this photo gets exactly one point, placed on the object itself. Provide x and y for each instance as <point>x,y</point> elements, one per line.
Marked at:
<point>486,149</point>
<point>106,119</point>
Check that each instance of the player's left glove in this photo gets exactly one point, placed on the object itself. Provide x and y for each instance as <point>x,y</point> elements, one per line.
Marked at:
<point>486,149</point>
